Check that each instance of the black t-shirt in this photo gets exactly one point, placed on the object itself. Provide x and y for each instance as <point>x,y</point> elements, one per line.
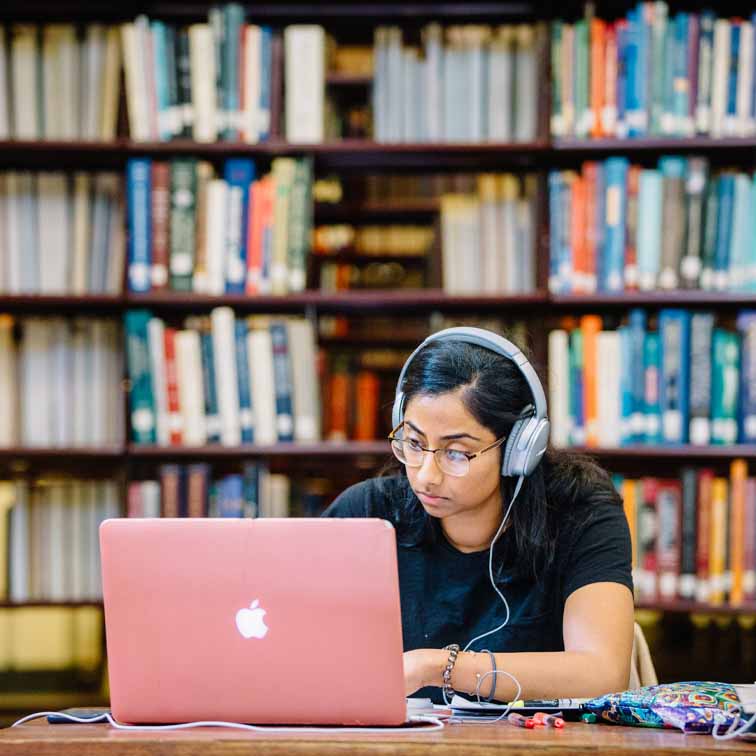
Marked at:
<point>447,596</point>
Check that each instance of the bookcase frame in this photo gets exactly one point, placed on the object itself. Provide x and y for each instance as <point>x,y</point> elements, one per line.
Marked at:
<point>539,155</point>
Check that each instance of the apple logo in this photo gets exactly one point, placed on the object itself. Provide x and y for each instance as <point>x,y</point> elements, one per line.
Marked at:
<point>250,621</point>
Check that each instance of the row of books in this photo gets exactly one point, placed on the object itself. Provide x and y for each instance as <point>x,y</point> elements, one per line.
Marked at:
<point>693,537</point>
<point>616,226</point>
<point>61,233</point>
<point>60,382</point>
<point>196,490</point>
<point>190,230</point>
<point>59,82</point>
<point>51,541</point>
<point>224,79</point>
<point>461,84</point>
<point>653,74</point>
<point>223,380</point>
<point>489,238</point>
<point>689,380</point>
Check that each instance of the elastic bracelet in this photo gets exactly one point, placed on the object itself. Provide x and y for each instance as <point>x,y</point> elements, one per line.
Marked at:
<point>453,649</point>
<point>493,675</point>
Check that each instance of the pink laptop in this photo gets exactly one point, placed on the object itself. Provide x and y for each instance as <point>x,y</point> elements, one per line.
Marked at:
<point>269,621</point>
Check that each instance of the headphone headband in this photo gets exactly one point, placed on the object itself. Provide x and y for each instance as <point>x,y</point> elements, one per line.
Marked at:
<point>529,437</point>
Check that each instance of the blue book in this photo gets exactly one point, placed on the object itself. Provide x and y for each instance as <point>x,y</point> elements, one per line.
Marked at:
<point>246,418</point>
<point>555,230</point>
<point>652,373</point>
<point>731,111</point>
<point>649,228</point>
<point>139,192</point>
<point>633,93</point>
<point>740,237</point>
<point>642,70</point>
<point>238,173</point>
<point>750,274</point>
<point>266,68</point>
<point>233,18</point>
<point>615,224</point>
<point>627,397</point>
<point>141,399</point>
<point>705,52</point>
<point>210,388</point>
<point>577,414</point>
<point>635,368</point>
<point>282,377</point>
<point>667,75</point>
<point>231,496</point>
<point>746,324</point>
<point>162,99</point>
<point>726,201</point>
<point>681,87</point>
<point>251,476</point>
<point>674,381</point>
<point>622,42</point>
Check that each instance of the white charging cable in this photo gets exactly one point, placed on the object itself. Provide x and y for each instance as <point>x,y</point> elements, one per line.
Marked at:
<point>730,734</point>
<point>433,724</point>
<point>496,672</point>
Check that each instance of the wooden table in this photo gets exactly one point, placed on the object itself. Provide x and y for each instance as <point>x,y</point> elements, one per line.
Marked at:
<point>41,739</point>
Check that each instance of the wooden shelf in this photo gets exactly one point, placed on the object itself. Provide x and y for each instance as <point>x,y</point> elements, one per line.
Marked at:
<point>171,10</point>
<point>682,453</point>
<point>408,299</point>
<point>321,449</point>
<point>70,304</point>
<point>693,607</point>
<point>676,298</point>
<point>346,153</point>
<point>653,145</point>
<point>348,80</point>
<point>345,212</point>
<point>72,454</point>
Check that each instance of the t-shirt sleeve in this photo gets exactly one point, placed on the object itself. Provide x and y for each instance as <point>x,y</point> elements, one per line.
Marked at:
<point>363,499</point>
<point>600,550</point>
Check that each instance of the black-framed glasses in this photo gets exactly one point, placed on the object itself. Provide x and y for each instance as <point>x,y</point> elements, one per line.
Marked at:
<point>410,452</point>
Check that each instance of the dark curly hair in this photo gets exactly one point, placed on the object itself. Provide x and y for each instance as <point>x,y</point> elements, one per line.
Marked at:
<point>495,392</point>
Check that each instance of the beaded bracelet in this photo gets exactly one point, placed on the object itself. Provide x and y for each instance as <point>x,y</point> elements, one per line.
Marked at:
<point>453,649</point>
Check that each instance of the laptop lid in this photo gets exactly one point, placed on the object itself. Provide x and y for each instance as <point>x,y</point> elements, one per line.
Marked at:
<point>269,621</point>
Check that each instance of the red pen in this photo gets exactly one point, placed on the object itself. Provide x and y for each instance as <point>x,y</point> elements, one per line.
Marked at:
<point>550,720</point>
<point>519,721</point>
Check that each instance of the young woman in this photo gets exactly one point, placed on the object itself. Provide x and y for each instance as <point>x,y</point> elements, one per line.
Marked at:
<point>562,560</point>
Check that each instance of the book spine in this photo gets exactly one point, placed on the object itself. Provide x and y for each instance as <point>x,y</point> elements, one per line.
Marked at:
<point>182,228</point>
<point>687,585</point>
<point>246,416</point>
<point>138,182</point>
<point>141,400</point>
<point>283,388</point>
<point>212,416</point>
<point>161,201</point>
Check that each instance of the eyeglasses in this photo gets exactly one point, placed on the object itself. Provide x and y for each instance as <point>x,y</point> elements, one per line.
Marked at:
<point>454,462</point>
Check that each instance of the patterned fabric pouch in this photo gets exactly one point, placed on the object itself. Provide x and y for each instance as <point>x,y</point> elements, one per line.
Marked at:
<point>689,706</point>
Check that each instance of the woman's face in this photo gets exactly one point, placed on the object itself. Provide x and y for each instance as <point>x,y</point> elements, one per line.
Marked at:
<point>443,421</point>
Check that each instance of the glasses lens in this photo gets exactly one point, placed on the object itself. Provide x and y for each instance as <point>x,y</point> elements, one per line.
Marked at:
<point>405,453</point>
<point>453,462</point>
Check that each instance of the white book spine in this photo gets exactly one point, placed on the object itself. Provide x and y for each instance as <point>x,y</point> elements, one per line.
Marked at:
<point>226,378</point>
<point>305,83</point>
<point>252,77</point>
<point>260,355</point>
<point>202,57</point>
<point>191,395</point>
<point>559,388</point>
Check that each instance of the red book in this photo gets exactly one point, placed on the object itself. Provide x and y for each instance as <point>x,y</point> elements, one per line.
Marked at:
<point>705,481</point>
<point>171,380</point>
<point>161,208</point>
<point>367,390</point>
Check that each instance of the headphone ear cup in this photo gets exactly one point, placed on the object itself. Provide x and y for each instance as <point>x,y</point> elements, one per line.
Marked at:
<point>511,446</point>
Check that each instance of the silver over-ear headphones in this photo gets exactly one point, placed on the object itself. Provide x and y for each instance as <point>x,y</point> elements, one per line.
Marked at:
<point>530,435</point>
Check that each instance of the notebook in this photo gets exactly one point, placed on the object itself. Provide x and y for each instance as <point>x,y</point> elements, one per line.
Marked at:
<point>260,621</point>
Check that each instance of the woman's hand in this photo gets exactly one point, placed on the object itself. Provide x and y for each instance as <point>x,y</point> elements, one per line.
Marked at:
<point>414,670</point>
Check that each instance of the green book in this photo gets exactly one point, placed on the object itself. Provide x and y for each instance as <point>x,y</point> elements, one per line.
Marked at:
<point>183,208</point>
